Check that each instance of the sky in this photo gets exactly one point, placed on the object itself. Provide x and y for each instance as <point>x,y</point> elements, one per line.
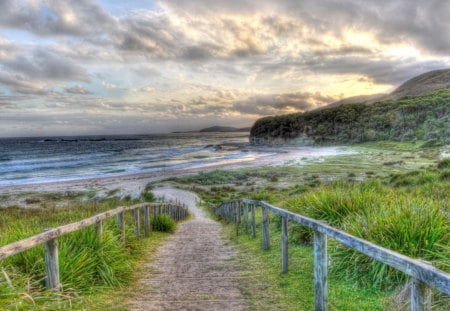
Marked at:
<point>77,67</point>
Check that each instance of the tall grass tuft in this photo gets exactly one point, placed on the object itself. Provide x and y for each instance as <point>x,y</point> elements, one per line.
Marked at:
<point>87,263</point>
<point>410,218</point>
<point>163,223</point>
<point>412,227</point>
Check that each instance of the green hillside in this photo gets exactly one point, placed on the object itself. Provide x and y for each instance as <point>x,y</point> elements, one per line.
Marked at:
<point>417,117</point>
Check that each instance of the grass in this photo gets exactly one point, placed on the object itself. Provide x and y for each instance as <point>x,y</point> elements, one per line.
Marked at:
<point>294,290</point>
<point>402,205</point>
<point>115,298</point>
<point>163,223</point>
<point>404,220</point>
<point>409,219</point>
<point>90,269</point>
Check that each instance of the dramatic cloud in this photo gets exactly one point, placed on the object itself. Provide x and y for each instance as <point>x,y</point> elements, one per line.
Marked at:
<point>172,65</point>
<point>77,89</point>
<point>285,103</point>
<point>53,17</point>
<point>46,66</point>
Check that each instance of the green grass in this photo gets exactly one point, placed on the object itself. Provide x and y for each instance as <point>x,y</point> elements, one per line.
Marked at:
<point>294,290</point>
<point>90,267</point>
<point>411,219</point>
<point>403,205</point>
<point>163,223</point>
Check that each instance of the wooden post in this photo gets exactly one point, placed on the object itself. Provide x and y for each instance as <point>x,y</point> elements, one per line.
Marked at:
<point>420,296</point>
<point>284,245</point>
<point>99,230</point>
<point>253,222</point>
<point>121,225</point>
<point>137,223</point>
<point>265,229</point>
<point>238,212</point>
<point>52,264</point>
<point>320,271</point>
<point>146,221</point>
<point>245,217</point>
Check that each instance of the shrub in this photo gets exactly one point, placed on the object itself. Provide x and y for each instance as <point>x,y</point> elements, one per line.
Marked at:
<point>263,196</point>
<point>163,223</point>
<point>445,175</point>
<point>148,196</point>
<point>443,164</point>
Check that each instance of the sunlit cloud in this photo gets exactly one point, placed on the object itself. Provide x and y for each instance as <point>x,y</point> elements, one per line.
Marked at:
<point>86,67</point>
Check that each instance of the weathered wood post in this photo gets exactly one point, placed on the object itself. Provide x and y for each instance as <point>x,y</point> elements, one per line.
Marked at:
<point>246,217</point>
<point>137,225</point>
<point>265,229</point>
<point>146,221</point>
<point>238,212</point>
<point>237,216</point>
<point>253,222</point>
<point>284,245</point>
<point>121,225</point>
<point>421,296</point>
<point>52,264</point>
<point>99,230</point>
<point>320,271</point>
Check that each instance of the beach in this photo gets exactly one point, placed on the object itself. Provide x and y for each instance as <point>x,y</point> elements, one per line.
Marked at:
<point>133,184</point>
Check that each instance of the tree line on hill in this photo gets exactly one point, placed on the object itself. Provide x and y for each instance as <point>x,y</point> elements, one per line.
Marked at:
<point>425,117</point>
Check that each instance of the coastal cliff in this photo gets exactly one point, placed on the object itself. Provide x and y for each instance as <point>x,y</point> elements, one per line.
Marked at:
<point>418,110</point>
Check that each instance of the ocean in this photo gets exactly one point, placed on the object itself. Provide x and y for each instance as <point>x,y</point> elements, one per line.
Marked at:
<point>51,159</point>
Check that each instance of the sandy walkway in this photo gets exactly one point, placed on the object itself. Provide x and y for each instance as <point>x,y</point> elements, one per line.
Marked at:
<point>194,270</point>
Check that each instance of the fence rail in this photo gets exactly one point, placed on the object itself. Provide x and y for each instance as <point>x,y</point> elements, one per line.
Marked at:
<point>423,274</point>
<point>50,236</point>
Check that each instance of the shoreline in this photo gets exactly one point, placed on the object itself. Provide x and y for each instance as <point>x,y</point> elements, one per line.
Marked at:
<point>133,184</point>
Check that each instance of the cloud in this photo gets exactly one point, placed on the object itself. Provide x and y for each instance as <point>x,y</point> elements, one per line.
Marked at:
<point>77,89</point>
<point>188,61</point>
<point>53,17</point>
<point>22,85</point>
<point>45,65</point>
<point>272,104</point>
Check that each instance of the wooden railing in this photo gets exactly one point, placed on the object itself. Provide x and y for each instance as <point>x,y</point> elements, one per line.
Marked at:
<point>424,275</point>
<point>50,236</point>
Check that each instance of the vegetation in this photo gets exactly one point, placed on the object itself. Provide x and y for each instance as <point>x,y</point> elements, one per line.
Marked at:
<point>425,117</point>
<point>294,290</point>
<point>89,267</point>
<point>399,200</point>
<point>163,223</point>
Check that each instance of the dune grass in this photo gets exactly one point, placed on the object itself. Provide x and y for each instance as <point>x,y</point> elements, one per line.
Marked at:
<point>294,290</point>
<point>90,268</point>
<point>412,220</point>
<point>404,209</point>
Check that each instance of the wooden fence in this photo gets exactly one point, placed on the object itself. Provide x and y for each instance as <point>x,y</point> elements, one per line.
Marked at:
<point>50,236</point>
<point>424,275</point>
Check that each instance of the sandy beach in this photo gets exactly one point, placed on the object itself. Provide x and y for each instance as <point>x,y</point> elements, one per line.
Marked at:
<point>133,184</point>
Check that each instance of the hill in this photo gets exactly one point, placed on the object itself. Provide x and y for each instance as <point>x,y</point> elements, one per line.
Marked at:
<point>418,110</point>
<point>425,83</point>
<point>422,84</point>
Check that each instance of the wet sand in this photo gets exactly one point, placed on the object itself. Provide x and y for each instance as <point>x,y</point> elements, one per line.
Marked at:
<point>134,184</point>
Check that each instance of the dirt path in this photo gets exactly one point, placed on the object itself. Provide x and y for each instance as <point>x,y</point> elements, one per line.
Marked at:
<point>195,269</point>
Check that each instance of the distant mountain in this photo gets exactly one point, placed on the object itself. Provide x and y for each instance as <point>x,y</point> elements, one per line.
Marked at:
<point>217,128</point>
<point>417,110</point>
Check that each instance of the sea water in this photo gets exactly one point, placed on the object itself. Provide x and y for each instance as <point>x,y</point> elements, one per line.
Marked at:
<point>50,159</point>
